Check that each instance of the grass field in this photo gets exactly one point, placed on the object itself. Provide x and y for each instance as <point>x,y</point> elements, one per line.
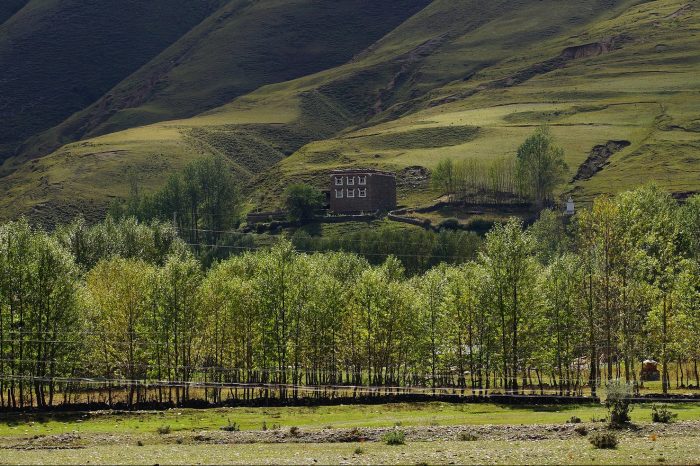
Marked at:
<point>337,417</point>
<point>498,434</point>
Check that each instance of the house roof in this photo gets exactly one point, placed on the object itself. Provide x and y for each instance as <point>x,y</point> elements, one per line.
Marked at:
<point>362,171</point>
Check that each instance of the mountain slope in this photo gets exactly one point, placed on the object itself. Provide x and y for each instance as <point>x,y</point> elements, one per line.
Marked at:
<point>9,7</point>
<point>57,56</point>
<point>596,71</point>
<point>243,46</point>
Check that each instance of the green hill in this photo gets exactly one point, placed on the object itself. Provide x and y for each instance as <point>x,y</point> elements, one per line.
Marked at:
<point>460,79</point>
<point>244,45</point>
<point>58,56</point>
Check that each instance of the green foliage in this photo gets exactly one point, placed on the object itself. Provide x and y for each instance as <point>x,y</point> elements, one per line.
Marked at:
<point>394,438</point>
<point>450,224</point>
<point>202,201</point>
<point>417,249</point>
<point>662,414</point>
<point>492,181</point>
<point>619,402</point>
<point>603,440</point>
<point>540,166</point>
<point>302,201</point>
<point>139,306</point>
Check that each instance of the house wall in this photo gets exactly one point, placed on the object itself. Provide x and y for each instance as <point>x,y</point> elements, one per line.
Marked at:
<point>379,192</point>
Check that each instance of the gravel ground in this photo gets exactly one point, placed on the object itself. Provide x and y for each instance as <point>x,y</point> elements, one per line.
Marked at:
<point>413,434</point>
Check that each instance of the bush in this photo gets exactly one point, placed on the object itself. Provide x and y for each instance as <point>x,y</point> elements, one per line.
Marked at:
<point>163,430</point>
<point>662,414</point>
<point>359,451</point>
<point>450,224</point>
<point>604,440</point>
<point>302,201</point>
<point>581,430</point>
<point>468,437</point>
<point>231,427</point>
<point>574,420</point>
<point>294,430</point>
<point>395,437</point>
<point>619,403</point>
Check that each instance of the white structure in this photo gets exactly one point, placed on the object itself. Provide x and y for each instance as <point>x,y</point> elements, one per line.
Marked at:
<point>570,206</point>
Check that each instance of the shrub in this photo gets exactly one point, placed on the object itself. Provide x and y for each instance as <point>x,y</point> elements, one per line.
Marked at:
<point>619,403</point>
<point>581,430</point>
<point>662,414</point>
<point>604,440</point>
<point>264,426</point>
<point>395,437</point>
<point>163,430</point>
<point>468,437</point>
<point>139,443</point>
<point>231,427</point>
<point>302,201</point>
<point>574,420</point>
<point>450,224</point>
<point>294,430</point>
<point>359,451</point>
<point>179,441</point>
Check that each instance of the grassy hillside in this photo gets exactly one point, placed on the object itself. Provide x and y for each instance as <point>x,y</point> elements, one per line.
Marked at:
<point>459,79</point>
<point>58,56</point>
<point>9,7</point>
<point>243,46</point>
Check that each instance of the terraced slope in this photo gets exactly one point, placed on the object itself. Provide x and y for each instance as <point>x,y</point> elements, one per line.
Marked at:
<point>241,47</point>
<point>458,79</point>
<point>58,56</point>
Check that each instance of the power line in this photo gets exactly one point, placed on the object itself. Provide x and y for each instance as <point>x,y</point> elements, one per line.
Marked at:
<point>320,388</point>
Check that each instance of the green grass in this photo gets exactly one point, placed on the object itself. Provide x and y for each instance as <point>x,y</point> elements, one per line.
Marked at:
<point>671,450</point>
<point>421,138</point>
<point>414,414</point>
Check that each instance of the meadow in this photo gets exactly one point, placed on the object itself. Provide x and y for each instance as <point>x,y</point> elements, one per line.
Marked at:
<point>498,435</point>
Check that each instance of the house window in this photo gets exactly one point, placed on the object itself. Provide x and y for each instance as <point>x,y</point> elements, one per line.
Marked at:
<point>351,193</point>
<point>362,192</point>
<point>362,180</point>
<point>351,180</point>
<point>339,181</point>
<point>338,193</point>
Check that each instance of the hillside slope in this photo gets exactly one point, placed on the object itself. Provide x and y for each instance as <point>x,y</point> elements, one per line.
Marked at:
<point>9,7</point>
<point>458,79</point>
<point>243,46</point>
<point>58,56</point>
